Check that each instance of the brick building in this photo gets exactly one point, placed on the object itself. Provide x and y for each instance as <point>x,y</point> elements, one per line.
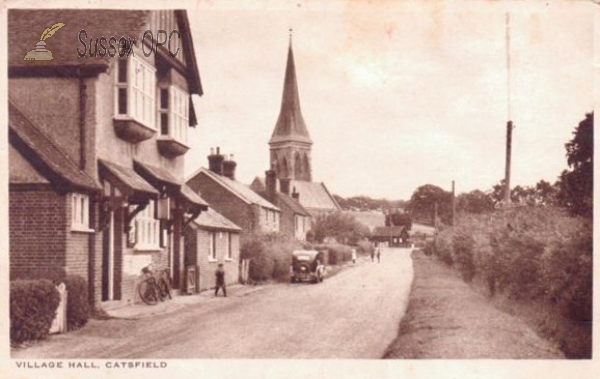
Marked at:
<point>97,143</point>
<point>209,240</point>
<point>233,199</point>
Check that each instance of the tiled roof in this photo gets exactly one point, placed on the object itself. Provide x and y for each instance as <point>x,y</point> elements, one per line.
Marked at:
<point>192,196</point>
<point>314,195</point>
<point>156,174</point>
<point>129,178</point>
<point>292,203</point>
<point>215,220</point>
<point>387,231</point>
<point>44,155</point>
<point>25,26</point>
<point>237,188</point>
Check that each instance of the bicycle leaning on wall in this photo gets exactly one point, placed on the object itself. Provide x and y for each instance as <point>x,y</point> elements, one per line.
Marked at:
<point>154,289</point>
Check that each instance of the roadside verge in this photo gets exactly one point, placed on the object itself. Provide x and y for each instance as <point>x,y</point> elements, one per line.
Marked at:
<point>446,319</point>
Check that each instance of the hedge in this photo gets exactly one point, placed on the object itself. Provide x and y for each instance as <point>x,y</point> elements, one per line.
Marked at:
<point>33,305</point>
<point>270,257</point>
<point>78,307</point>
<point>525,253</point>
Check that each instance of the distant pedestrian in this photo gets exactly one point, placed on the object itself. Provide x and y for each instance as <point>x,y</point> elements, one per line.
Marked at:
<point>354,256</point>
<point>378,255</point>
<point>373,254</point>
<point>220,280</point>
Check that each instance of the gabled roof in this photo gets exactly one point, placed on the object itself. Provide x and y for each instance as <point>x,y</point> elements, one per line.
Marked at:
<point>242,191</point>
<point>292,203</point>
<point>290,124</point>
<point>212,219</point>
<point>314,195</point>
<point>388,231</point>
<point>44,155</point>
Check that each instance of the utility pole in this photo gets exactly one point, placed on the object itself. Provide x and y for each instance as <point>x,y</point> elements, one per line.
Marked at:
<point>435,216</point>
<point>453,205</point>
<point>509,123</point>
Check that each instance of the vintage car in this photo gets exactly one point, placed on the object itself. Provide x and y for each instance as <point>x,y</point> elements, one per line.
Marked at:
<point>307,265</point>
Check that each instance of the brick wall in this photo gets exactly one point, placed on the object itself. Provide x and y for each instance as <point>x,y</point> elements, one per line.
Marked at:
<point>227,204</point>
<point>197,243</point>
<point>37,223</point>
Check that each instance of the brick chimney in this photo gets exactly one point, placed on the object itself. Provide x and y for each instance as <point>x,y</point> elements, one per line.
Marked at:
<point>271,184</point>
<point>229,167</point>
<point>215,161</point>
<point>284,185</point>
<point>295,195</point>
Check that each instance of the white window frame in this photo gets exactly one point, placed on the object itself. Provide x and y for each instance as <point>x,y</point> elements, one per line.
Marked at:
<point>177,109</point>
<point>141,91</point>
<point>80,212</point>
<point>229,251</point>
<point>212,246</point>
<point>147,228</point>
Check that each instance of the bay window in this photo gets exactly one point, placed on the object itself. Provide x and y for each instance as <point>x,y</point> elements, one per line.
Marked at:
<point>147,228</point>
<point>173,113</point>
<point>135,91</point>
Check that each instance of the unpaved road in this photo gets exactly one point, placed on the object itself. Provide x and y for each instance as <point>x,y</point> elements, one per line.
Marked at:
<point>354,314</point>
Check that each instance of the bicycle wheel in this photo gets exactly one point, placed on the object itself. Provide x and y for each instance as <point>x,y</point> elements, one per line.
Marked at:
<point>148,292</point>
<point>164,288</point>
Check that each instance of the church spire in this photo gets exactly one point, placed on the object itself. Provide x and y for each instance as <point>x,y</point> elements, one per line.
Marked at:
<point>290,125</point>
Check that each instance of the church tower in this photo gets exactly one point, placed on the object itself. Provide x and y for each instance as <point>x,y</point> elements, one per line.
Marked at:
<point>290,144</point>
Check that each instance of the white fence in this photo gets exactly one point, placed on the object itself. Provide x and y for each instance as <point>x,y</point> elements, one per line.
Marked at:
<point>59,324</point>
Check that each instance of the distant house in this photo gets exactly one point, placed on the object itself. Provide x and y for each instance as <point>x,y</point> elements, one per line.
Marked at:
<point>295,220</point>
<point>209,240</point>
<point>233,199</point>
<point>97,145</point>
<point>392,236</point>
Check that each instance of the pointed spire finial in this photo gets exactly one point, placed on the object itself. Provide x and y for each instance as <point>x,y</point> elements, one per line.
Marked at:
<point>291,34</point>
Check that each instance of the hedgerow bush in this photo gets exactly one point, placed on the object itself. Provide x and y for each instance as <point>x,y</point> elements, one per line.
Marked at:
<point>526,253</point>
<point>33,305</point>
<point>364,247</point>
<point>336,253</point>
<point>78,307</point>
<point>270,256</point>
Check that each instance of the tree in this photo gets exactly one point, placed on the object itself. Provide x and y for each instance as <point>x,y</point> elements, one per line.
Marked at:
<point>343,228</point>
<point>475,202</point>
<point>576,185</point>
<point>422,204</point>
<point>543,193</point>
<point>396,218</point>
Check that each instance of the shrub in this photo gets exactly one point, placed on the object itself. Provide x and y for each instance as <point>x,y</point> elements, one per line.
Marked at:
<point>462,245</point>
<point>336,253</point>
<point>270,258</point>
<point>33,305</point>
<point>364,247</point>
<point>78,307</point>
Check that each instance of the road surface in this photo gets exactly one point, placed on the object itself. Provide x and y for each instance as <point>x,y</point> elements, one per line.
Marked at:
<point>354,314</point>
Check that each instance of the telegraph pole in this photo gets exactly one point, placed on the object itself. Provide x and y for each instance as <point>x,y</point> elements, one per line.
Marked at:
<point>453,205</point>
<point>509,123</point>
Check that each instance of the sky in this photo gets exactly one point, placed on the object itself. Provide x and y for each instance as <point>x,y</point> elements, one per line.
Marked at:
<point>396,94</point>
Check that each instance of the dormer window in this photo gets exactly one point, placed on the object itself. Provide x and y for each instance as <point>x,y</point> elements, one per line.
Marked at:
<point>135,105</point>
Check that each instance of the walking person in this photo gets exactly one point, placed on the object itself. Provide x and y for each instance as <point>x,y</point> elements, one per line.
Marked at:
<point>220,280</point>
<point>378,255</point>
<point>354,256</point>
<point>373,254</point>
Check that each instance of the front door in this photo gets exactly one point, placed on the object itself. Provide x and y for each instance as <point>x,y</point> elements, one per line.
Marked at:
<point>111,250</point>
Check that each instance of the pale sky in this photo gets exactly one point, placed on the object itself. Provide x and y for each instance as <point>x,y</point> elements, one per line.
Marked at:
<point>396,94</point>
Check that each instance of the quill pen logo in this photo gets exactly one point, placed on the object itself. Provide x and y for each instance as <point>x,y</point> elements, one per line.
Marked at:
<point>41,53</point>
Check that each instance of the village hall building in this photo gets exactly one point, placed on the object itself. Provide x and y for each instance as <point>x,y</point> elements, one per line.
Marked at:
<point>96,147</point>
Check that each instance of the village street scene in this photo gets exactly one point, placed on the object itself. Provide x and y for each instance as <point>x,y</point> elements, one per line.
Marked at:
<point>325,180</point>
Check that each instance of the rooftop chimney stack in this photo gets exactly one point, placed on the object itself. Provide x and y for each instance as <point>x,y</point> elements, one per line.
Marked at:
<point>284,186</point>
<point>295,195</point>
<point>271,184</point>
<point>215,161</point>
<point>229,167</point>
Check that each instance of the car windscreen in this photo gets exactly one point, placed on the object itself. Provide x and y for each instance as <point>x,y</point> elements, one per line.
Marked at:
<point>303,257</point>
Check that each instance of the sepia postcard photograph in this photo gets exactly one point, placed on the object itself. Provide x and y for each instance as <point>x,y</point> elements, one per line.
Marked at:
<point>298,189</point>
